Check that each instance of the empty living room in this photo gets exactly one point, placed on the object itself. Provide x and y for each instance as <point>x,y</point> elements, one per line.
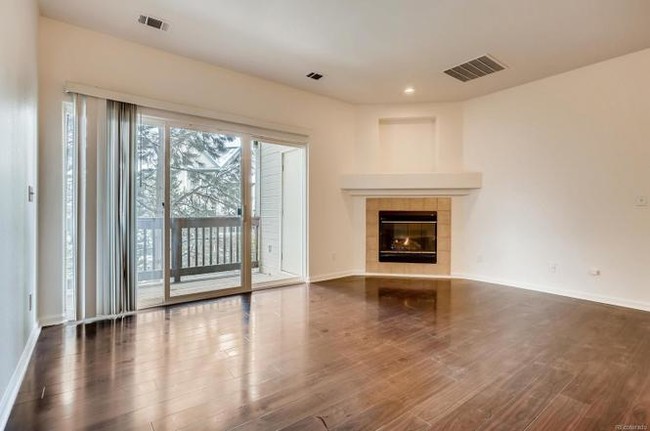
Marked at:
<point>336,215</point>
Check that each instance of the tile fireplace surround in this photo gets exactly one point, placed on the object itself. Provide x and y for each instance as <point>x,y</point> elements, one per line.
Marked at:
<point>440,204</point>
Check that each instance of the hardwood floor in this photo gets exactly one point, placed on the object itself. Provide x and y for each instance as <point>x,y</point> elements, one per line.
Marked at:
<point>350,354</point>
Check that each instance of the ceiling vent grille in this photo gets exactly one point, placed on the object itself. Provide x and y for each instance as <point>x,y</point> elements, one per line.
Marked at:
<point>476,68</point>
<point>315,76</point>
<point>156,23</point>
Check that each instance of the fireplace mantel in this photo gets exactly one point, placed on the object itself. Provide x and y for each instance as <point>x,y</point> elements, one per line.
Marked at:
<point>431,184</point>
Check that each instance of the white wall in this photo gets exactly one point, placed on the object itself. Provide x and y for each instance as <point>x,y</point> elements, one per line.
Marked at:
<point>442,154</point>
<point>74,54</point>
<point>563,160</point>
<point>18,109</point>
<point>408,145</point>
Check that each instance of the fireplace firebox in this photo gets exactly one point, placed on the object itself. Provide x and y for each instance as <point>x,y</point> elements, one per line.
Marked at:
<point>408,236</point>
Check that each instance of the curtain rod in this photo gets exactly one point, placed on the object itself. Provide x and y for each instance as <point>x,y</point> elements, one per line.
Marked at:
<point>262,128</point>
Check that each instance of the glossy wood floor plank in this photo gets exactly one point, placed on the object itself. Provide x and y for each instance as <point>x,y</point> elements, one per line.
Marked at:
<point>350,354</point>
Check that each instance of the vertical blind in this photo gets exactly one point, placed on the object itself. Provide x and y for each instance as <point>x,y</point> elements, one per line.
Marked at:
<point>105,222</point>
<point>120,208</point>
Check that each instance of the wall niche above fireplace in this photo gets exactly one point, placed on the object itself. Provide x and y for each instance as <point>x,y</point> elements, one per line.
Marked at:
<point>407,145</point>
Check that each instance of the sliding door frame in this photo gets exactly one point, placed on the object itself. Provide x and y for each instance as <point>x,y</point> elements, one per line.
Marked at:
<point>304,277</point>
<point>169,121</point>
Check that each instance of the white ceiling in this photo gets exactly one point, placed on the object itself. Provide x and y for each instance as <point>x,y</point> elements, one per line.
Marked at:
<point>370,50</point>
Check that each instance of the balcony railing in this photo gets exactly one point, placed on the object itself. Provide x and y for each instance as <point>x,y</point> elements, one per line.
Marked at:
<point>201,245</point>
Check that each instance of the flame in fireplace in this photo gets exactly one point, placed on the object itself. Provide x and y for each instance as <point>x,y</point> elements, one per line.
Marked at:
<point>407,240</point>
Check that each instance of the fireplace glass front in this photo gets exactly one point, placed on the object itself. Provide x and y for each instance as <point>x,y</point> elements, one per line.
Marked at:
<point>407,236</point>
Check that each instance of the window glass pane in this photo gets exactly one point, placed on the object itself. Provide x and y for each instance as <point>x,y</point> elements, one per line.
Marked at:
<point>205,203</point>
<point>149,212</point>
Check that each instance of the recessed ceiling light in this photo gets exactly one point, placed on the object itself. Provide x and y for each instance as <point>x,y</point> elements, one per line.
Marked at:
<point>409,90</point>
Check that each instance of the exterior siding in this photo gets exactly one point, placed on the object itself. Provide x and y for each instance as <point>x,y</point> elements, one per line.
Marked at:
<point>270,207</point>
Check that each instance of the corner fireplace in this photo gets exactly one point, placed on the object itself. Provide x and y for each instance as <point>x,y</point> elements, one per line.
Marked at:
<point>408,236</point>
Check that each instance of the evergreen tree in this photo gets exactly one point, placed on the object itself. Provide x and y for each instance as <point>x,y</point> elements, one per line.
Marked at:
<point>205,173</point>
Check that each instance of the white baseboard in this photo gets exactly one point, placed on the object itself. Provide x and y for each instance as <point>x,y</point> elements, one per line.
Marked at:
<point>10,394</point>
<point>603,299</point>
<point>56,319</point>
<point>333,276</point>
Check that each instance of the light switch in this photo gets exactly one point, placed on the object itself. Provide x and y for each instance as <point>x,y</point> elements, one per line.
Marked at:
<point>30,193</point>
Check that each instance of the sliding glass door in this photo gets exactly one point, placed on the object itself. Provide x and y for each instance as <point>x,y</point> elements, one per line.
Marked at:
<point>219,209</point>
<point>190,237</point>
<point>150,214</point>
<point>205,212</point>
<point>217,212</point>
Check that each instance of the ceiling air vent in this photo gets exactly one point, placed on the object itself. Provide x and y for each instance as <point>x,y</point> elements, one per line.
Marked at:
<point>156,23</point>
<point>315,76</point>
<point>476,68</point>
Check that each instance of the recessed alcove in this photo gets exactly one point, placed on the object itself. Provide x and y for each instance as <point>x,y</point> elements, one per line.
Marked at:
<point>407,145</point>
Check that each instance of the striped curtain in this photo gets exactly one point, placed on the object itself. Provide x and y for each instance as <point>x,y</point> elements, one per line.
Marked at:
<point>121,123</point>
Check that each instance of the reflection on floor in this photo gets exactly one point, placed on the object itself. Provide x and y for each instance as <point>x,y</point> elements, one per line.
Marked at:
<point>152,294</point>
<point>356,353</point>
